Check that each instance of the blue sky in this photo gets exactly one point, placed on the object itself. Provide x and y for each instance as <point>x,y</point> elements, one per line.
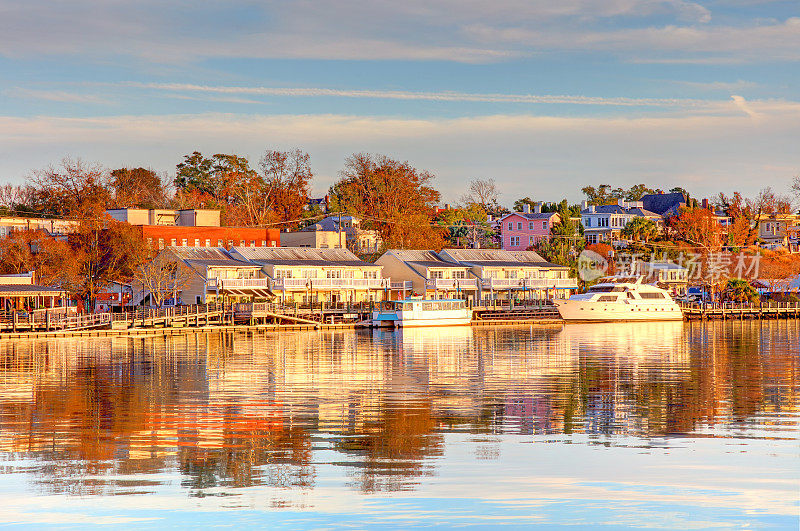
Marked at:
<point>542,96</point>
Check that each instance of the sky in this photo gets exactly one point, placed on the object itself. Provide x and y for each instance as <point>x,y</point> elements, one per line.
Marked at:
<point>543,97</point>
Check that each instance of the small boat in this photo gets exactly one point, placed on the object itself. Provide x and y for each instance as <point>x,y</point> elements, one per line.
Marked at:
<point>423,312</point>
<point>620,299</point>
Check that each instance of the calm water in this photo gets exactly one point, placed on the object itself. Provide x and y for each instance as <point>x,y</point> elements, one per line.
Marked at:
<point>666,425</point>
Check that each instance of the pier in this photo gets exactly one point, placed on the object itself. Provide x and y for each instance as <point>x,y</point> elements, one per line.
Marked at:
<point>738,310</point>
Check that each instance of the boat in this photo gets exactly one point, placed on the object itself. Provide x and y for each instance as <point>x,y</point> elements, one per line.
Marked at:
<point>620,299</point>
<point>422,312</point>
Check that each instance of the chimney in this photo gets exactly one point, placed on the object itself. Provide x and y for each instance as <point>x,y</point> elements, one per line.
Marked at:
<point>621,202</point>
<point>705,203</point>
<point>526,208</point>
<point>591,208</point>
<point>537,208</point>
<point>447,206</point>
<point>584,205</point>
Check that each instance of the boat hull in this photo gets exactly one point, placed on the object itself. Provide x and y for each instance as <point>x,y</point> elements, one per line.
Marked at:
<point>575,310</point>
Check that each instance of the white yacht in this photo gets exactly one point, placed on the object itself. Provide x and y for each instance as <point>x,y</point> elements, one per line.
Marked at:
<point>423,312</point>
<point>620,299</point>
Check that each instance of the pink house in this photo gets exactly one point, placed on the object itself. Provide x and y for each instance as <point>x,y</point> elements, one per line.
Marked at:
<point>521,230</point>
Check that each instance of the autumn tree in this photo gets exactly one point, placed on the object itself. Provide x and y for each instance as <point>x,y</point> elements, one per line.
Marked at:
<point>466,226</point>
<point>137,187</point>
<point>391,196</point>
<point>105,250</point>
<point>33,250</point>
<point>72,189</point>
<point>699,227</point>
<point>286,176</point>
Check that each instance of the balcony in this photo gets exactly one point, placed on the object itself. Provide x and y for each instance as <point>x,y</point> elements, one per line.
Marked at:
<point>528,283</point>
<point>401,285</point>
<point>446,284</point>
<point>237,284</point>
<point>302,284</point>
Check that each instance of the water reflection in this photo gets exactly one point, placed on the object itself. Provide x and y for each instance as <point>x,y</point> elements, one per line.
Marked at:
<point>113,415</point>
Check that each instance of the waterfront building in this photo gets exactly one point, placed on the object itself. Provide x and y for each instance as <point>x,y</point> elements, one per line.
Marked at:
<point>114,296</point>
<point>191,217</point>
<point>52,227</point>
<point>306,275</point>
<point>522,230</point>
<point>605,223</point>
<point>429,274</point>
<point>506,275</point>
<point>201,275</point>
<point>358,240</point>
<point>665,205</point>
<point>20,292</point>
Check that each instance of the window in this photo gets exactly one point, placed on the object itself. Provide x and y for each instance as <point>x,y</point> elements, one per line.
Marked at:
<point>230,243</point>
<point>184,242</point>
<point>242,243</point>
<point>544,225</point>
<point>161,243</point>
<point>646,295</point>
<point>173,242</point>
<point>370,274</point>
<point>208,242</point>
<point>510,226</point>
<point>437,274</point>
<point>513,241</point>
<point>196,242</point>
<point>459,274</point>
<point>531,240</point>
<point>252,243</point>
<point>511,274</point>
<point>519,226</point>
<point>588,222</point>
<point>310,273</point>
<point>263,243</point>
<point>220,243</point>
<point>530,225</point>
<point>607,298</point>
<point>150,242</point>
<point>272,244</point>
<point>283,273</point>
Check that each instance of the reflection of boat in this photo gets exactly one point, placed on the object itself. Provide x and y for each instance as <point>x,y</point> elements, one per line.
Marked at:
<point>423,312</point>
<point>620,299</point>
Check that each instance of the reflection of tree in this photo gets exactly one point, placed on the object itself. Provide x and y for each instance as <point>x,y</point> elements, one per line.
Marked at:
<point>235,410</point>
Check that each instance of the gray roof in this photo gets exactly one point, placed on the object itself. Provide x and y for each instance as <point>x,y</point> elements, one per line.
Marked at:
<point>531,215</point>
<point>664,204</point>
<point>222,263</point>
<point>425,258</point>
<point>200,253</point>
<point>299,256</point>
<point>472,255</point>
<point>616,209</point>
<point>436,263</point>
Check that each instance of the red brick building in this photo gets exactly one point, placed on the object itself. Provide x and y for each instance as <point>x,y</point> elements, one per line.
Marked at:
<point>161,236</point>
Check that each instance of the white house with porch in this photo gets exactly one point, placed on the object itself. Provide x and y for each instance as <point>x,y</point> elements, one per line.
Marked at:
<point>507,275</point>
<point>429,274</point>
<point>306,275</point>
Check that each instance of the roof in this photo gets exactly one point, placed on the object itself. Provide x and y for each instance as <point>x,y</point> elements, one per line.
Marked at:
<point>499,258</point>
<point>300,256</point>
<point>222,263</point>
<point>425,258</point>
<point>531,215</point>
<point>662,204</point>
<point>200,253</point>
<point>616,209</point>
<point>29,290</point>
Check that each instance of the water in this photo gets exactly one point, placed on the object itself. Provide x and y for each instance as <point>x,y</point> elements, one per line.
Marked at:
<point>663,425</point>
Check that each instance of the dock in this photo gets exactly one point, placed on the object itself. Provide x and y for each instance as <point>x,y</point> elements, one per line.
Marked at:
<point>741,311</point>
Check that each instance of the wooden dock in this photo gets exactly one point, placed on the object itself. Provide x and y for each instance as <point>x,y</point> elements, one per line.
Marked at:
<point>733,310</point>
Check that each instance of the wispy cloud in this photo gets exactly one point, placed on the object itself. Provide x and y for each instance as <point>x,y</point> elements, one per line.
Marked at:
<point>56,95</point>
<point>428,96</point>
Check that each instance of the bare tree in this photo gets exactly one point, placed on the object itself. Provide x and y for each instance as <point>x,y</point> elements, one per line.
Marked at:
<point>482,192</point>
<point>161,278</point>
<point>75,188</point>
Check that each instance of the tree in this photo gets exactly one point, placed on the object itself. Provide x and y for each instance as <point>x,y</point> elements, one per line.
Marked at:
<point>105,250</point>
<point>161,278</point>
<point>391,196</point>
<point>740,290</point>
<point>699,227</point>
<point>286,176</point>
<point>73,189</point>
<point>32,250</point>
<point>137,187</point>
<point>466,226</point>
<point>483,192</point>
<point>565,242</point>
<point>16,199</point>
<point>640,229</point>
<point>796,187</point>
<point>195,173</point>
<point>637,191</point>
<point>519,204</point>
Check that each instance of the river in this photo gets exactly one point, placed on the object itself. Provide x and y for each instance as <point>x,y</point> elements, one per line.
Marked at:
<point>659,425</point>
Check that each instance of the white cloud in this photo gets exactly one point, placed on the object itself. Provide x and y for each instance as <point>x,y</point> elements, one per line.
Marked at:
<point>453,30</point>
<point>549,156</point>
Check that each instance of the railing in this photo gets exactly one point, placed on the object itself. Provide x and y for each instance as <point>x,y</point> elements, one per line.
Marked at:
<point>528,283</point>
<point>328,283</point>
<point>401,285</point>
<point>732,305</point>
<point>451,283</point>
<point>241,283</point>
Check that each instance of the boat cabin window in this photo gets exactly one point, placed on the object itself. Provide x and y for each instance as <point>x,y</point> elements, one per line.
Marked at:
<point>646,295</point>
<point>606,289</point>
<point>607,298</point>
